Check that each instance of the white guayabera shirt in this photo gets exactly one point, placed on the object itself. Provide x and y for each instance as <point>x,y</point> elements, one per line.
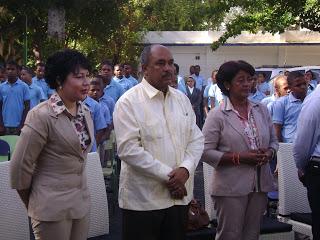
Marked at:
<point>155,134</point>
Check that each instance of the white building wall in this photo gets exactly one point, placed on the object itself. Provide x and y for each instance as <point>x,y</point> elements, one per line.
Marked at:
<point>256,55</point>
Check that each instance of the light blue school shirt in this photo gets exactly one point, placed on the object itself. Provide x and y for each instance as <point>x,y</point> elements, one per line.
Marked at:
<point>307,140</point>
<point>286,111</point>
<point>109,102</point>
<point>36,95</point>
<point>215,92</point>
<point>182,85</point>
<point>44,86</point>
<point>124,82</point>
<point>114,90</point>
<point>132,80</point>
<point>200,81</point>
<point>269,102</point>
<point>264,87</point>
<point>97,117</point>
<point>206,93</point>
<point>257,97</point>
<point>312,86</point>
<point>106,112</point>
<point>13,97</point>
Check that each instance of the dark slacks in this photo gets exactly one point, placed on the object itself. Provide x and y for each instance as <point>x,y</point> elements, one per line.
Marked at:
<point>12,131</point>
<point>312,181</point>
<point>164,224</point>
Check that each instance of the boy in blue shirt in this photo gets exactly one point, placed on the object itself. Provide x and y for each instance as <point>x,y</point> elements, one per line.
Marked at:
<point>119,78</point>
<point>263,86</point>
<point>99,122</point>
<point>96,92</point>
<point>255,96</point>
<point>36,94</point>
<point>127,70</point>
<point>286,109</point>
<point>14,101</point>
<point>111,87</point>
<point>41,82</point>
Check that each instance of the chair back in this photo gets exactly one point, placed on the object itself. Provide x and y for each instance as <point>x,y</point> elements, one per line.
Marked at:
<point>4,151</point>
<point>207,178</point>
<point>292,194</point>
<point>99,213</point>
<point>11,140</point>
<point>14,222</point>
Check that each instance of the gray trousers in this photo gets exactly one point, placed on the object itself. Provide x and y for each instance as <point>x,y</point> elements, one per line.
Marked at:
<point>239,217</point>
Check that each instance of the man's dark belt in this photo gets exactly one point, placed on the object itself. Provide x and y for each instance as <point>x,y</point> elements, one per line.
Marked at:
<point>315,159</point>
<point>314,165</point>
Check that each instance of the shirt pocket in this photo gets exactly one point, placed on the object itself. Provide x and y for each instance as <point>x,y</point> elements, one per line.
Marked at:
<point>152,130</point>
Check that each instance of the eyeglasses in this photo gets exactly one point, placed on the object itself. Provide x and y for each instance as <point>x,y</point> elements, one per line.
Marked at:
<point>243,81</point>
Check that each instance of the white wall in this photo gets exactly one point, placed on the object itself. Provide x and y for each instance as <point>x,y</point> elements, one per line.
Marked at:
<point>256,55</point>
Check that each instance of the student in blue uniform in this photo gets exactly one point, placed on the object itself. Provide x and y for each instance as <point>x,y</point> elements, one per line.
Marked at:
<point>99,122</point>
<point>36,93</point>
<point>111,87</point>
<point>120,78</point>
<point>127,71</point>
<point>286,109</point>
<point>14,101</point>
<point>96,92</point>
<point>255,96</point>
<point>40,81</point>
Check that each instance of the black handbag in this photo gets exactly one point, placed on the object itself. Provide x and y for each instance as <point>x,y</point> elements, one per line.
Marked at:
<point>197,217</point>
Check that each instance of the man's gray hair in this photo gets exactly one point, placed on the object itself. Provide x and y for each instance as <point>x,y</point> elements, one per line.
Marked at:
<point>145,55</point>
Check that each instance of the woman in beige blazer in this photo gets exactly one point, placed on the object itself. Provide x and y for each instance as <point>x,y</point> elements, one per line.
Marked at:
<point>239,143</point>
<point>47,167</point>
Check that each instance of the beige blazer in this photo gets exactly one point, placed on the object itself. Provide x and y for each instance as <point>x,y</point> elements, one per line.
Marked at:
<point>223,132</point>
<point>48,159</point>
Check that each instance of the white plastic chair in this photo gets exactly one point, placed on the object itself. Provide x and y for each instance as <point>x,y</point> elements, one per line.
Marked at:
<point>99,213</point>
<point>209,206</point>
<point>14,224</point>
<point>292,194</point>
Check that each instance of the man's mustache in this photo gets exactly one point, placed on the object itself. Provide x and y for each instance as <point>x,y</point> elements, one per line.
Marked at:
<point>167,74</point>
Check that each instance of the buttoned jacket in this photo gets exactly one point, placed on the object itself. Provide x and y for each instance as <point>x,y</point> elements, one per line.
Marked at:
<point>224,132</point>
<point>49,161</point>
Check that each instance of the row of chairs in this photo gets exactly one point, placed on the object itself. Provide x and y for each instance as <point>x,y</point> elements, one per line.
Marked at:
<point>294,211</point>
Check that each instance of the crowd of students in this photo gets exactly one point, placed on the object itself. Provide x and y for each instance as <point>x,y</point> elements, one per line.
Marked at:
<point>22,89</point>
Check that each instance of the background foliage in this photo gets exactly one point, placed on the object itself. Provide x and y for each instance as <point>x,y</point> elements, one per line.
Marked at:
<point>112,29</point>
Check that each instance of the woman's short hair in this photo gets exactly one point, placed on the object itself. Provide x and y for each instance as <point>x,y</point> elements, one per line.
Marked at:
<point>61,64</point>
<point>229,70</point>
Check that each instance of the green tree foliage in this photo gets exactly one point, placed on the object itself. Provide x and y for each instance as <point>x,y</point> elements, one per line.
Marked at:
<point>100,28</point>
<point>113,29</point>
<point>90,26</point>
<point>168,15</point>
<point>264,15</point>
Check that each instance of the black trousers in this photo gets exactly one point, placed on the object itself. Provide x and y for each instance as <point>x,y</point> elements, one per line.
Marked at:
<point>164,224</point>
<point>312,182</point>
<point>12,131</point>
